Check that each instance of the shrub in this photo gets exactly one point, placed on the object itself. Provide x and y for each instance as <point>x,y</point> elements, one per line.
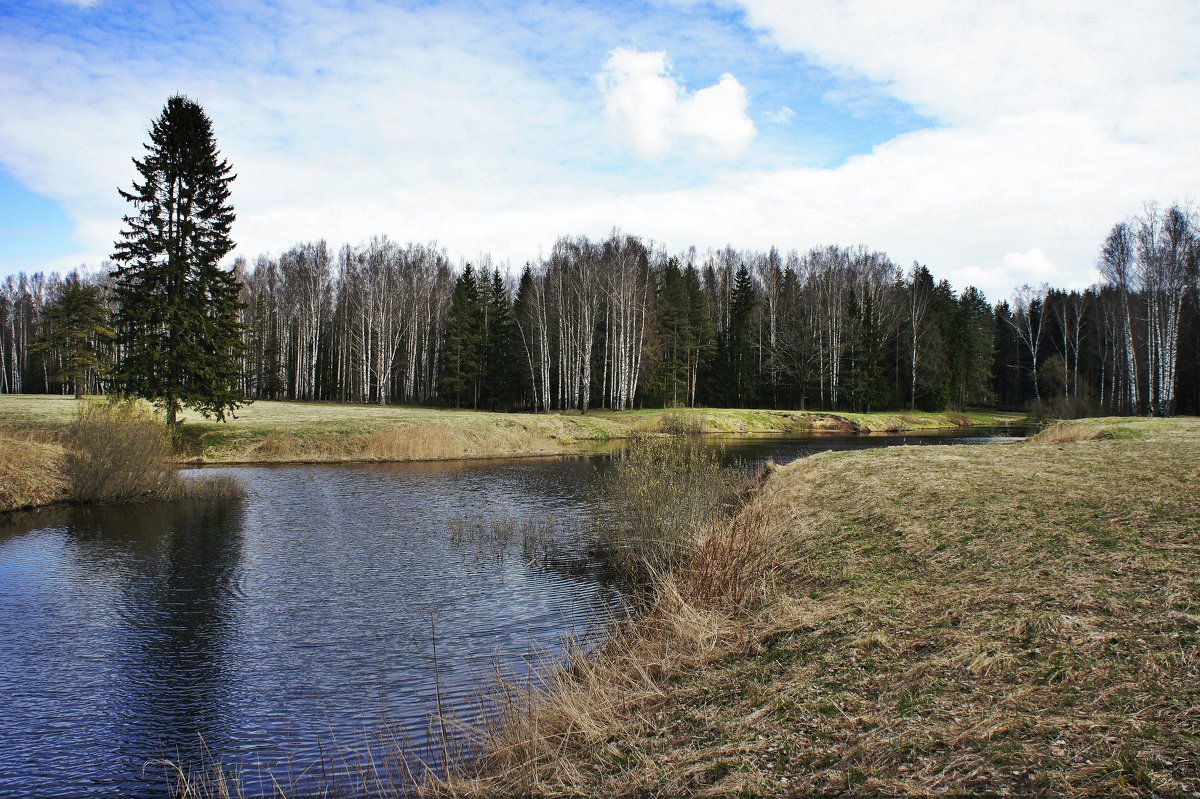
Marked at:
<point>655,506</point>
<point>118,451</point>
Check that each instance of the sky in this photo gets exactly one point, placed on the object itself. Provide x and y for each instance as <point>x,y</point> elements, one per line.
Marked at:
<point>996,143</point>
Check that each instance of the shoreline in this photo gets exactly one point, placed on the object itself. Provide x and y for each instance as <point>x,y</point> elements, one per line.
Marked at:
<point>277,433</point>
<point>993,620</point>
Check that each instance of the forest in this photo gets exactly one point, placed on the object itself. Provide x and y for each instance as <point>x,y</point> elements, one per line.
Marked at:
<point>621,323</point>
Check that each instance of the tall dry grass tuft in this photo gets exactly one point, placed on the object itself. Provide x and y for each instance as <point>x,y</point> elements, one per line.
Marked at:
<point>117,451</point>
<point>658,502</point>
<point>1066,433</point>
<point>731,566</point>
<point>681,424</point>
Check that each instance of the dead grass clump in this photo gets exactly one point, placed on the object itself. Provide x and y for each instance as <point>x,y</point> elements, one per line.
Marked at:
<point>31,473</point>
<point>681,424</point>
<point>658,502</point>
<point>117,451</point>
<point>416,443</point>
<point>435,441</point>
<point>1065,432</point>
<point>209,488</point>
<point>730,566</point>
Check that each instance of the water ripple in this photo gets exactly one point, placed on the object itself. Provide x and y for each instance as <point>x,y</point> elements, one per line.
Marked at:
<point>283,635</point>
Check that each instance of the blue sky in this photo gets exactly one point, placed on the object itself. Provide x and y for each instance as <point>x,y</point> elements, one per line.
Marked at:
<point>997,143</point>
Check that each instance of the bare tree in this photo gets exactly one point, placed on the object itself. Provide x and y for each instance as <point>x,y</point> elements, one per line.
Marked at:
<point>1116,266</point>
<point>1028,319</point>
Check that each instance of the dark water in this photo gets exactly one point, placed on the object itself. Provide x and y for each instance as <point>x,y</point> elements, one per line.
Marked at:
<point>290,635</point>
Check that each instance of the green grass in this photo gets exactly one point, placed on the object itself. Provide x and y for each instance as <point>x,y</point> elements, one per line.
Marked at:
<point>1019,618</point>
<point>331,432</point>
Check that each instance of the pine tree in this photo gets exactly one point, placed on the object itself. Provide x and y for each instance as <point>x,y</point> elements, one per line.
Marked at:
<point>177,310</point>
<point>75,327</point>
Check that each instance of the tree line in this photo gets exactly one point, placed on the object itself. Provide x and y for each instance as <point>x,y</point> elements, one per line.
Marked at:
<point>619,323</point>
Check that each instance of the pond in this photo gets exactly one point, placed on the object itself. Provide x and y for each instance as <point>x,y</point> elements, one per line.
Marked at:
<point>295,634</point>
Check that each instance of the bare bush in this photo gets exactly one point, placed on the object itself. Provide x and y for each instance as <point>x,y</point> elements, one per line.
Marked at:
<point>117,451</point>
<point>657,503</point>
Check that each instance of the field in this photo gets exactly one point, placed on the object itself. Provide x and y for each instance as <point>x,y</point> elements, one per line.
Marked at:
<point>1019,618</point>
<point>288,432</point>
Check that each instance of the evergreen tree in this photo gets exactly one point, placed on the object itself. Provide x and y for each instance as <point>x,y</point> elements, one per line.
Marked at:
<point>1007,372</point>
<point>525,342</point>
<point>944,363</point>
<point>668,386</point>
<point>741,366</point>
<point>462,350</point>
<point>975,354</point>
<point>75,327</point>
<point>866,382</point>
<point>177,310</point>
<point>501,349</point>
<point>700,329</point>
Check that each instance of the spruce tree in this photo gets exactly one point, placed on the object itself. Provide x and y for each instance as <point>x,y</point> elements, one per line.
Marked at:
<point>700,330</point>
<point>524,341</point>
<point>741,391</point>
<point>500,350</point>
<point>462,349</point>
<point>177,309</point>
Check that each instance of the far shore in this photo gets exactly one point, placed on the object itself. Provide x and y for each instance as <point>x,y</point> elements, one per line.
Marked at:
<point>33,428</point>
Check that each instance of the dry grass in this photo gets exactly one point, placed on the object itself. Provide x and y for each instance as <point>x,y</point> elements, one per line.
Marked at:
<point>316,432</point>
<point>118,452</point>
<point>111,452</point>
<point>658,501</point>
<point>1066,432</point>
<point>30,473</point>
<point>912,621</point>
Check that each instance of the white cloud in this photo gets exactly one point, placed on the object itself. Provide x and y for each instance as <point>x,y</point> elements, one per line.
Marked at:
<point>1051,122</point>
<point>1032,267</point>
<point>647,107</point>
<point>783,116</point>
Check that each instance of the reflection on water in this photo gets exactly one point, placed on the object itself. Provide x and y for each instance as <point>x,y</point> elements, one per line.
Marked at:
<point>300,617</point>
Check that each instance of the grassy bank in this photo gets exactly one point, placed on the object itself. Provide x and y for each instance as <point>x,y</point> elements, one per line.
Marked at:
<point>283,432</point>
<point>105,453</point>
<point>31,473</point>
<point>942,620</point>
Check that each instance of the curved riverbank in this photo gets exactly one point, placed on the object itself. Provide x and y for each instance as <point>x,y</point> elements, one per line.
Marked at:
<point>32,427</point>
<point>965,620</point>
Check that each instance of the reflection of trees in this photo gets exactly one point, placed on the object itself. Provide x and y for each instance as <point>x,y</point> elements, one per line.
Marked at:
<point>175,568</point>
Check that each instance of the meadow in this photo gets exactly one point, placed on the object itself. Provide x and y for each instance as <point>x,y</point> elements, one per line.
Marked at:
<point>1019,618</point>
<point>33,430</point>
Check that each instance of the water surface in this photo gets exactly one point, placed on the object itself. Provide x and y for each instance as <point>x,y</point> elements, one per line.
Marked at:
<point>288,633</point>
